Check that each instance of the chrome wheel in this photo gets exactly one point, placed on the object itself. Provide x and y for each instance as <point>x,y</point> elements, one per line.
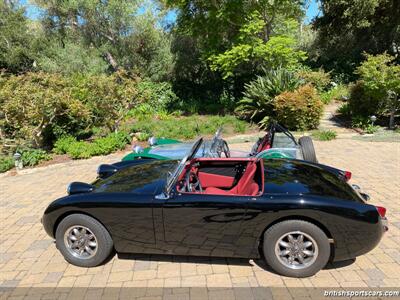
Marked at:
<point>296,250</point>
<point>80,242</point>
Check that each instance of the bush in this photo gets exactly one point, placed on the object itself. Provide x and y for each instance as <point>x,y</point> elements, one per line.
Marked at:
<point>362,103</point>
<point>364,123</point>
<point>83,149</point>
<point>32,157</point>
<point>157,94</point>
<point>300,109</point>
<point>40,107</point>
<point>6,163</point>
<point>319,79</point>
<point>62,145</point>
<point>257,105</point>
<point>324,135</point>
<point>378,90</point>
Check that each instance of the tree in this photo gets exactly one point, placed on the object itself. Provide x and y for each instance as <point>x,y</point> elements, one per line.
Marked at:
<point>380,78</point>
<point>15,39</point>
<point>277,51</point>
<point>232,38</point>
<point>123,35</point>
<point>347,28</point>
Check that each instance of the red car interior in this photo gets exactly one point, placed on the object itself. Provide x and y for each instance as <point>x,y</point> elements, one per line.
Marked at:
<point>265,143</point>
<point>227,176</point>
<point>208,180</point>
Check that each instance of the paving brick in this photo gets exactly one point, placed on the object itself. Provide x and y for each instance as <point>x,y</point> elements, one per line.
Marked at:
<point>28,257</point>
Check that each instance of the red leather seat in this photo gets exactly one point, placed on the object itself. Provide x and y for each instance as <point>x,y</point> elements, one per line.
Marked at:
<point>245,186</point>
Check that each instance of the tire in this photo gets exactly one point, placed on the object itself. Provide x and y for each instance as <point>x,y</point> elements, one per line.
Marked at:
<point>310,232</point>
<point>89,232</point>
<point>307,148</point>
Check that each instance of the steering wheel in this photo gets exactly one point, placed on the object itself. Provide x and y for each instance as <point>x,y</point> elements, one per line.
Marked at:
<point>193,187</point>
<point>225,148</point>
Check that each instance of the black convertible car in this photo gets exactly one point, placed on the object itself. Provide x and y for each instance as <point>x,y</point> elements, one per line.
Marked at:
<point>297,215</point>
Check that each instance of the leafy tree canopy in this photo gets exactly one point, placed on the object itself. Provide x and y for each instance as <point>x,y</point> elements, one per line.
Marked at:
<point>348,28</point>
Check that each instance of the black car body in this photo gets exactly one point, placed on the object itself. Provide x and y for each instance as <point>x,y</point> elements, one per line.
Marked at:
<point>144,212</point>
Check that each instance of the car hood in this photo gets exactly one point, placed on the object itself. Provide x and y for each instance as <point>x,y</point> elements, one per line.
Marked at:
<point>146,178</point>
<point>179,150</point>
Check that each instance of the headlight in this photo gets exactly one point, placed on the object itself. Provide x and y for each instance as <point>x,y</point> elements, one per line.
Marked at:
<point>152,141</point>
<point>137,149</point>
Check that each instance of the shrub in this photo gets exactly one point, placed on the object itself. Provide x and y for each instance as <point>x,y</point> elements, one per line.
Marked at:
<point>378,90</point>
<point>83,149</point>
<point>319,79</point>
<point>300,109</point>
<point>324,135</point>
<point>364,123</point>
<point>362,103</point>
<point>157,94</point>
<point>40,107</point>
<point>257,105</point>
<point>62,145</point>
<point>32,157</point>
<point>6,163</point>
<point>35,102</point>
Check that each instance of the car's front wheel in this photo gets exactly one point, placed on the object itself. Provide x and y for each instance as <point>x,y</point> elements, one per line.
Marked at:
<point>83,241</point>
<point>296,248</point>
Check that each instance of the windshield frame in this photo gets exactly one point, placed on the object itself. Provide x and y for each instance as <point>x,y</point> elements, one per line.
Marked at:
<point>171,180</point>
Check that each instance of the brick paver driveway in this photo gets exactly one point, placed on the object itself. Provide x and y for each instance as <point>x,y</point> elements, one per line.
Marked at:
<point>28,257</point>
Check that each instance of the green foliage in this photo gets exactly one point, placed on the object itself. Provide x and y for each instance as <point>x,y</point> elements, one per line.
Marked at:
<point>336,93</point>
<point>320,79</point>
<point>69,58</point>
<point>344,110</point>
<point>32,157</point>
<point>39,107</point>
<point>187,127</point>
<point>83,149</point>
<point>34,103</point>
<point>123,32</point>
<point>257,105</point>
<point>348,28</point>
<point>364,123</point>
<point>362,103</point>
<point>6,163</point>
<point>159,95</point>
<point>277,51</point>
<point>16,42</point>
<point>142,136</point>
<point>62,145</point>
<point>324,135</point>
<point>300,109</point>
<point>222,35</point>
<point>378,89</point>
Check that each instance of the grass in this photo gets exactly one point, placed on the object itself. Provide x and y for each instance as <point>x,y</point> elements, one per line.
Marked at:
<point>324,135</point>
<point>188,127</point>
<point>6,163</point>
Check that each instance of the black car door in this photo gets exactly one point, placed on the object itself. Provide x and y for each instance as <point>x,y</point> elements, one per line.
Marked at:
<point>203,224</point>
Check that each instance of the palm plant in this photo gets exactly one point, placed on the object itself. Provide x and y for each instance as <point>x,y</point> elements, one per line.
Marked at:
<point>257,104</point>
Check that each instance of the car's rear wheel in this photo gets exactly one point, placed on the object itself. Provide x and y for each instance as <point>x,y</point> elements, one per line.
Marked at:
<point>296,248</point>
<point>83,241</point>
<point>307,148</point>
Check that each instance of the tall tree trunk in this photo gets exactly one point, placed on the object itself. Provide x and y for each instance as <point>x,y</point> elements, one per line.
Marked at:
<point>111,60</point>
